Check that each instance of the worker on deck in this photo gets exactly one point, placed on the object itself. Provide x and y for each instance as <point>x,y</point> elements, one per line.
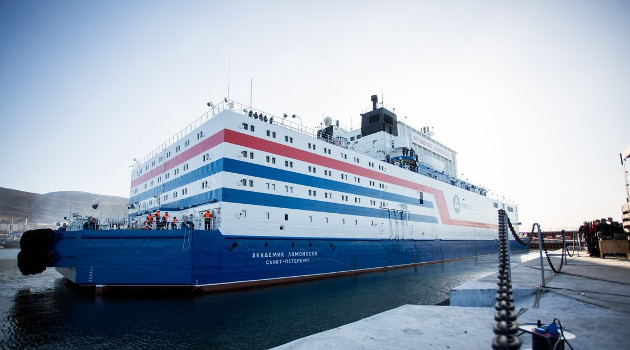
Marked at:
<point>165,220</point>
<point>149,220</point>
<point>208,219</point>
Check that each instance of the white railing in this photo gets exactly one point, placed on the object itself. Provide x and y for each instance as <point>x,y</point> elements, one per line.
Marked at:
<point>140,223</point>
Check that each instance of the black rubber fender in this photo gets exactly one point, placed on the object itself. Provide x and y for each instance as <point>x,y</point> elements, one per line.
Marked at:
<point>36,252</point>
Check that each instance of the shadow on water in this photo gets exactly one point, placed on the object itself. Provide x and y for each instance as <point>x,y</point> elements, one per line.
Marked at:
<point>46,311</point>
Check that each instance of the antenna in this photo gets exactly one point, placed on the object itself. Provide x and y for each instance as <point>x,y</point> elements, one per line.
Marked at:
<point>229,69</point>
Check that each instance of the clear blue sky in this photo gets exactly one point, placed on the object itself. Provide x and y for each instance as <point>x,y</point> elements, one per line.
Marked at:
<point>533,95</point>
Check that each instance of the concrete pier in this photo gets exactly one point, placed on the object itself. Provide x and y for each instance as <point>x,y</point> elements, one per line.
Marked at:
<point>590,297</point>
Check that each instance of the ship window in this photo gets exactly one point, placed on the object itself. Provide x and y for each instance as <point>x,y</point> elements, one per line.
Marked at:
<point>251,155</point>
<point>251,128</point>
<point>243,182</point>
<point>251,183</point>
<point>267,215</point>
<point>244,153</point>
<point>185,166</point>
<point>343,221</point>
<point>186,143</point>
<point>245,126</point>
<point>326,219</point>
<point>421,198</point>
<point>510,209</point>
<point>496,205</point>
<point>286,217</point>
<point>310,218</point>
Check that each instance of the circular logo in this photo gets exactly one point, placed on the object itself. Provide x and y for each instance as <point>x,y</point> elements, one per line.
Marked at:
<point>456,205</point>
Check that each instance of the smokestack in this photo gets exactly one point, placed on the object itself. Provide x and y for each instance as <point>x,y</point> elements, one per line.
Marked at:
<point>374,102</point>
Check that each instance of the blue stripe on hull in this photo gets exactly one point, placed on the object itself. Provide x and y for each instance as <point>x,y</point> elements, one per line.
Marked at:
<point>206,258</point>
<point>271,173</point>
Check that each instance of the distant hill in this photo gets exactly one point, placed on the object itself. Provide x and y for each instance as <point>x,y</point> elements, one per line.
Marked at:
<point>52,207</point>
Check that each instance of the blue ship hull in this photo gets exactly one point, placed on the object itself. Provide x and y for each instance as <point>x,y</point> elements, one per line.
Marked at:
<point>208,260</point>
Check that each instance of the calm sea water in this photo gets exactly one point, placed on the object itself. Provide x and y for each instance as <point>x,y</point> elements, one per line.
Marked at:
<point>46,312</point>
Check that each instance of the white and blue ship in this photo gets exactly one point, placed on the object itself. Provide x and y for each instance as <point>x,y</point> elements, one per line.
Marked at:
<point>287,203</point>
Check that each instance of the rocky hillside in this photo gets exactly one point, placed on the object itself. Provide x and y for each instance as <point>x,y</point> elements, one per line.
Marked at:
<point>52,207</point>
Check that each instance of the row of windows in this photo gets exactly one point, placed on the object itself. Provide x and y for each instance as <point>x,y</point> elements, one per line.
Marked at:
<point>327,220</point>
<point>168,153</point>
<point>311,169</point>
<point>311,193</point>
<point>269,159</point>
<point>311,146</point>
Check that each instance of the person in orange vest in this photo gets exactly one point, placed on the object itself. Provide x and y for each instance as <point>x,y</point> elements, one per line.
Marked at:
<point>156,216</point>
<point>174,224</point>
<point>208,218</point>
<point>150,220</point>
<point>165,220</point>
